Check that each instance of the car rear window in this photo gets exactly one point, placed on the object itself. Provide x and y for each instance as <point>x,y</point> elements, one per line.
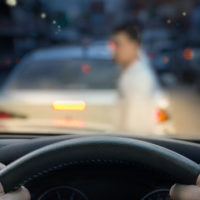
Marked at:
<point>66,74</point>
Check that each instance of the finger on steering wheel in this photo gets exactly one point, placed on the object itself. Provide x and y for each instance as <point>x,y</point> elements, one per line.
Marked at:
<point>185,192</point>
<point>21,194</point>
<point>2,166</point>
<point>198,181</point>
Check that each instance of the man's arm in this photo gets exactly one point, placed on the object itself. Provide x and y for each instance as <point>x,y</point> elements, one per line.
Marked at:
<point>183,192</point>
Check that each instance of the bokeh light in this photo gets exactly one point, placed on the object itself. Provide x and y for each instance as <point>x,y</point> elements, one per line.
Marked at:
<point>43,15</point>
<point>11,2</point>
<point>169,21</point>
<point>184,14</point>
<point>161,116</point>
<point>165,59</point>
<point>188,54</point>
<point>86,68</point>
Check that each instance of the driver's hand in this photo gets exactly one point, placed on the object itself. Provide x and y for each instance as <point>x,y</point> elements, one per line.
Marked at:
<point>21,194</point>
<point>186,192</point>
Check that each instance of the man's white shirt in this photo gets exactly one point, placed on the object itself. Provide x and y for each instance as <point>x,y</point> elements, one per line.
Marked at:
<point>138,91</point>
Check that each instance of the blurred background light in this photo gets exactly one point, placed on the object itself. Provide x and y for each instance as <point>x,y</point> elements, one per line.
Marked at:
<point>43,15</point>
<point>184,14</point>
<point>86,68</point>
<point>165,59</point>
<point>11,2</point>
<point>169,21</point>
<point>188,54</point>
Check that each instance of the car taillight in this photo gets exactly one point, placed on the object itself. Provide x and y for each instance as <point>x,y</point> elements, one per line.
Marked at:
<point>69,105</point>
<point>5,115</point>
<point>161,116</point>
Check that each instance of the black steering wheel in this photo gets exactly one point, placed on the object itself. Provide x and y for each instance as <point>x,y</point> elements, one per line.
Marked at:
<point>96,149</point>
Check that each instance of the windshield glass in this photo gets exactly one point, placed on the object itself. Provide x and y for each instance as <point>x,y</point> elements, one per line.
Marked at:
<point>100,65</point>
<point>65,74</point>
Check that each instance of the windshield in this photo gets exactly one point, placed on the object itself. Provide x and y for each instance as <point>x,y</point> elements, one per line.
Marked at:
<point>63,74</point>
<point>100,65</point>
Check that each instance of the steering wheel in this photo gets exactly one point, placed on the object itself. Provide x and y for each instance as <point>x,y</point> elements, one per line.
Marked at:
<point>97,149</point>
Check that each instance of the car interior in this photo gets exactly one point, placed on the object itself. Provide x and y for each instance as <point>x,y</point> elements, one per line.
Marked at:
<point>97,167</point>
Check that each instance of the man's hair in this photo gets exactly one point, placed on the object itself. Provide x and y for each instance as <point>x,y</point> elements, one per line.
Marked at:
<point>130,29</point>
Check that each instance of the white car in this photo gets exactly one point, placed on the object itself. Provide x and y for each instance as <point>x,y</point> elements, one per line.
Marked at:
<point>62,87</point>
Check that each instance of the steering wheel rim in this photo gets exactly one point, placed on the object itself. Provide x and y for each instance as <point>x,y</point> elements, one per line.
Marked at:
<point>97,148</point>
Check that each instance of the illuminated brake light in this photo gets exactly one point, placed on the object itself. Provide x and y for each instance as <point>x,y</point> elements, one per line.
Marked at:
<point>68,123</point>
<point>69,105</point>
<point>161,116</point>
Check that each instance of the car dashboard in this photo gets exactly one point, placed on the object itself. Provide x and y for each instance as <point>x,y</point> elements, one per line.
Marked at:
<point>105,182</point>
<point>96,180</point>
